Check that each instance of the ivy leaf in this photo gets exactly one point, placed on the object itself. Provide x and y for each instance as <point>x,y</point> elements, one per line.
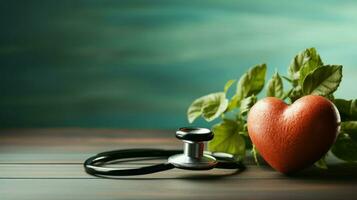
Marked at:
<point>347,108</point>
<point>251,82</point>
<point>227,139</point>
<point>247,103</point>
<point>323,81</point>
<point>210,107</point>
<point>345,148</point>
<point>302,64</point>
<point>228,85</point>
<point>275,87</point>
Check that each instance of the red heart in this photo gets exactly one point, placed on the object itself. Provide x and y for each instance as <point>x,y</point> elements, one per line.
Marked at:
<point>292,137</point>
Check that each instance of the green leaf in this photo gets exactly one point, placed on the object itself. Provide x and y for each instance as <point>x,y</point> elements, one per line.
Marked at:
<point>323,81</point>
<point>313,61</point>
<point>347,108</point>
<point>287,94</point>
<point>251,82</point>
<point>287,79</point>
<point>330,97</point>
<point>295,65</point>
<point>233,103</point>
<point>345,148</point>
<point>321,163</point>
<point>214,106</point>
<point>255,154</point>
<point>275,87</point>
<point>295,93</point>
<point>227,139</point>
<point>210,107</point>
<point>228,85</point>
<point>350,127</point>
<point>195,109</point>
<point>302,64</point>
<point>247,103</point>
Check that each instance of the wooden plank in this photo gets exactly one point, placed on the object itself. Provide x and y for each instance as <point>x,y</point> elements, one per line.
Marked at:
<point>68,171</point>
<point>336,172</point>
<point>219,188</point>
<point>84,133</point>
<point>83,137</point>
<point>46,164</point>
<point>75,145</point>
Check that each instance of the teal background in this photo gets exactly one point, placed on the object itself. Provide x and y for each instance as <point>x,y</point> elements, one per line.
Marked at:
<point>139,64</point>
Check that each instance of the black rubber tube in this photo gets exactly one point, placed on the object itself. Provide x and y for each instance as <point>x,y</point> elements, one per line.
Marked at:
<point>93,165</point>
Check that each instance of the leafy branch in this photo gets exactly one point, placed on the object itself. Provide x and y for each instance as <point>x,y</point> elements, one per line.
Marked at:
<point>307,74</point>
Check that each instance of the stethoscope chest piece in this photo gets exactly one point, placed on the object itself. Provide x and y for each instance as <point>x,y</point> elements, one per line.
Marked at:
<point>193,156</point>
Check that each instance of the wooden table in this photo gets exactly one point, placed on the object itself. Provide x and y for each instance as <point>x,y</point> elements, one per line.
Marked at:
<point>47,164</point>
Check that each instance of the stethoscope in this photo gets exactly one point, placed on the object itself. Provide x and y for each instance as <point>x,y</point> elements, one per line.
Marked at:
<point>193,157</point>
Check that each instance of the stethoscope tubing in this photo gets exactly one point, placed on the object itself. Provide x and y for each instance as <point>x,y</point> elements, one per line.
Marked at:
<point>95,164</point>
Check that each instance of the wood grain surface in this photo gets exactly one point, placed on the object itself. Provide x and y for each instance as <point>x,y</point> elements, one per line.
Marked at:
<point>47,164</point>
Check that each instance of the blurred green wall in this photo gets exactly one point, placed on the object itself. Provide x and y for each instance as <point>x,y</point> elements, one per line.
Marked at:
<point>139,64</point>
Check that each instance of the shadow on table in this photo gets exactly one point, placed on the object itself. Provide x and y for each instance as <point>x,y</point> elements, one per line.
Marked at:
<point>196,177</point>
<point>336,172</point>
<point>341,171</point>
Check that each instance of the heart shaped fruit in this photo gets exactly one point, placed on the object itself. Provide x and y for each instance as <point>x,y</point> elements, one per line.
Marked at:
<point>292,137</point>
